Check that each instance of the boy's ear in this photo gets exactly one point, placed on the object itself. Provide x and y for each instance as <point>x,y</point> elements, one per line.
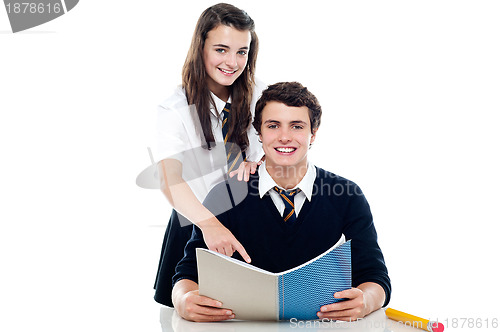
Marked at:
<point>313,137</point>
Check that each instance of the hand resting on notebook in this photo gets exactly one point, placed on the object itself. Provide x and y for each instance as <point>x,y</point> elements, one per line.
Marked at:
<point>194,307</point>
<point>360,302</point>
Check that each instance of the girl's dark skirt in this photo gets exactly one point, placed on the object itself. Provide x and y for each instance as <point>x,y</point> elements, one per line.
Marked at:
<point>177,234</point>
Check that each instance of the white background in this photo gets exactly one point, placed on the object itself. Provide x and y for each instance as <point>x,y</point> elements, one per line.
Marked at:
<point>410,92</point>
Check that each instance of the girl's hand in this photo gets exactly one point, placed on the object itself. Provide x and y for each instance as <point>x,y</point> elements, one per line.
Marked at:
<point>218,238</point>
<point>245,169</point>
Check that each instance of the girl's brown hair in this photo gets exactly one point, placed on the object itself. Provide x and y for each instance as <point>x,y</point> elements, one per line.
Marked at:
<point>194,74</point>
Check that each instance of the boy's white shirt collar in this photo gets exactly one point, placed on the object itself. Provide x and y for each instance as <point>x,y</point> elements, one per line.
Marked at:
<point>306,185</point>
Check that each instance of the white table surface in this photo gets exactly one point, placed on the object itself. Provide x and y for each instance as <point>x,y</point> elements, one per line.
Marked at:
<point>377,321</point>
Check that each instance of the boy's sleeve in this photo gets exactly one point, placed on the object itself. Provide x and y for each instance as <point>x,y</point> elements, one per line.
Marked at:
<point>187,268</point>
<point>368,264</point>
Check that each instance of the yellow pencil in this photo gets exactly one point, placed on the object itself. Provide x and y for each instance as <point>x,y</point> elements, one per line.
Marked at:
<point>414,321</point>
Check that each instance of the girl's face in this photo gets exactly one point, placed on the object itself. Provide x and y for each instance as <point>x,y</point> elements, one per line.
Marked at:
<point>225,56</point>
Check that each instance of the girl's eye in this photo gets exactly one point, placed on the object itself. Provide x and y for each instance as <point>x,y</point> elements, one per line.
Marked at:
<point>242,52</point>
<point>220,50</point>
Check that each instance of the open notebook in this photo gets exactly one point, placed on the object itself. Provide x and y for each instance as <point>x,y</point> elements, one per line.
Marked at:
<point>256,294</point>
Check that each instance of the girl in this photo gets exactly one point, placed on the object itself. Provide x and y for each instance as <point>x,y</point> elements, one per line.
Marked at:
<point>202,127</point>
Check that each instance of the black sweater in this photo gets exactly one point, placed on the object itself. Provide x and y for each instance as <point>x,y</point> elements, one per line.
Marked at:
<point>337,206</point>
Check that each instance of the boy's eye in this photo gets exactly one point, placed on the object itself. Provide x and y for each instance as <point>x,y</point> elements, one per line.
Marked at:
<point>272,126</point>
<point>297,127</point>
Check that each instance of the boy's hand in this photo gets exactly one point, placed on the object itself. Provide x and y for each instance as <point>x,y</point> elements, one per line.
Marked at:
<point>197,308</point>
<point>351,309</point>
<point>360,301</point>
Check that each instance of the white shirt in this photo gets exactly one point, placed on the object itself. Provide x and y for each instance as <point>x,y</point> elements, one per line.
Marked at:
<point>179,136</point>
<point>306,185</point>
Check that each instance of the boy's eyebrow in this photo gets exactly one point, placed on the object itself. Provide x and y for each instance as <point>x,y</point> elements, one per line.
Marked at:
<point>291,122</point>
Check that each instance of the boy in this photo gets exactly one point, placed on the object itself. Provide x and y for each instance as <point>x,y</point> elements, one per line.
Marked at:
<point>289,213</point>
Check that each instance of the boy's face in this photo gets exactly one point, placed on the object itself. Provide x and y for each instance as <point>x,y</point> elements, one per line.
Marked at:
<point>285,134</point>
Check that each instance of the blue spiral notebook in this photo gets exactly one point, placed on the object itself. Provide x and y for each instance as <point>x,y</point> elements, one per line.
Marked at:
<point>256,294</point>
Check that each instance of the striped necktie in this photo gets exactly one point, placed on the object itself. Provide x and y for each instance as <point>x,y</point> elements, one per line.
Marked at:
<point>287,197</point>
<point>233,152</point>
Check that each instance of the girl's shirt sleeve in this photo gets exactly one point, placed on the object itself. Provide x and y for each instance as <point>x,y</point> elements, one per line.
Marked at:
<point>172,136</point>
